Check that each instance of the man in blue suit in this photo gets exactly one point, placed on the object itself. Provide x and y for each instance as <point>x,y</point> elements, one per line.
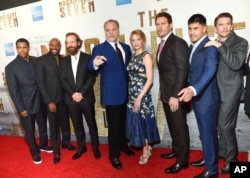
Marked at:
<point>204,92</point>
<point>111,59</point>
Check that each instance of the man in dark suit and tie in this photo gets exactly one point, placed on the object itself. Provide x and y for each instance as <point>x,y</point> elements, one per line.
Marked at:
<point>204,92</point>
<point>49,84</point>
<point>233,52</point>
<point>21,82</point>
<point>172,62</point>
<point>107,60</point>
<point>78,83</point>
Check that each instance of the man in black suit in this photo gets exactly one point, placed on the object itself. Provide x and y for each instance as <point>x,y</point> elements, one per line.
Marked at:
<point>21,82</point>
<point>78,83</point>
<point>49,84</point>
<point>172,61</point>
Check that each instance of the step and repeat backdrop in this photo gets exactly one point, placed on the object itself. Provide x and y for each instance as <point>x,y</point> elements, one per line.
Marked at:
<point>40,20</point>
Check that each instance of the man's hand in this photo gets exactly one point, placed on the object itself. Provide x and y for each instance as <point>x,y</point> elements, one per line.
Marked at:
<point>24,113</point>
<point>52,107</point>
<point>99,60</point>
<point>77,97</point>
<point>217,44</point>
<point>173,104</point>
<point>186,94</point>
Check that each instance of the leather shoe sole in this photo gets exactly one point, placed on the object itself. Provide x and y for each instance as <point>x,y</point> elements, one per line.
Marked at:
<point>69,147</point>
<point>128,152</point>
<point>56,159</point>
<point>225,170</point>
<point>198,163</point>
<point>168,155</point>
<point>116,163</point>
<point>78,154</point>
<point>97,154</point>
<point>206,174</point>
<point>176,168</point>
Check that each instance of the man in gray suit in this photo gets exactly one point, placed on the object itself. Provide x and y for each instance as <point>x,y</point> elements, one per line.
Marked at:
<point>232,51</point>
<point>21,82</point>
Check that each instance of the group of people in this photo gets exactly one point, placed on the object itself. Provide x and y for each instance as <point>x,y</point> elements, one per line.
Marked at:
<point>207,74</point>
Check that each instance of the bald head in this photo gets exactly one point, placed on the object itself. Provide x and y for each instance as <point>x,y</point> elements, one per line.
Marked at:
<point>55,46</point>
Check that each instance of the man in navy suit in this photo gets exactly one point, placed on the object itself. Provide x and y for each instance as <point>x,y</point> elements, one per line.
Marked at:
<point>204,92</point>
<point>21,82</point>
<point>114,81</point>
<point>78,83</point>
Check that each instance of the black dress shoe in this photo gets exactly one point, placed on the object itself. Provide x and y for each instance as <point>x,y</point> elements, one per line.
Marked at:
<point>56,158</point>
<point>97,154</point>
<point>168,155</point>
<point>198,163</point>
<point>176,168</point>
<point>47,149</point>
<point>116,163</point>
<point>78,154</point>
<point>69,146</point>
<point>128,152</point>
<point>206,174</point>
<point>225,170</point>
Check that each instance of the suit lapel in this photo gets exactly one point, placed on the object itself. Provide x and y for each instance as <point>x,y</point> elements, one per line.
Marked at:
<point>25,72</point>
<point>165,48</point>
<point>197,49</point>
<point>79,68</point>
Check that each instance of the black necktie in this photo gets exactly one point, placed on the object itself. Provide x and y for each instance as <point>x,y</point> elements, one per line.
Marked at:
<point>119,53</point>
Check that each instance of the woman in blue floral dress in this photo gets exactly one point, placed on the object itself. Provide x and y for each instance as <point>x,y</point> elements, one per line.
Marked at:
<point>141,126</point>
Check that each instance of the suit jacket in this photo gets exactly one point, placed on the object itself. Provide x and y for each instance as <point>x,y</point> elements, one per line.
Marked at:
<point>48,79</point>
<point>173,67</point>
<point>202,75</point>
<point>114,77</point>
<point>22,86</point>
<point>84,79</point>
<point>233,53</point>
<point>247,88</point>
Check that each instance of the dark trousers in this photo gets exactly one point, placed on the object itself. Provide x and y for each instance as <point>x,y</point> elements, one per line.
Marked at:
<point>64,123</point>
<point>178,128</point>
<point>28,124</point>
<point>41,119</point>
<point>116,116</point>
<point>228,147</point>
<point>76,112</point>
<point>54,123</point>
<point>207,117</point>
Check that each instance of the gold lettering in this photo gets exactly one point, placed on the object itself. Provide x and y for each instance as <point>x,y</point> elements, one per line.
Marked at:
<point>91,6</point>
<point>90,41</point>
<point>141,18</point>
<point>151,17</point>
<point>62,15</point>
<point>178,32</point>
<point>69,10</point>
<point>15,22</point>
<point>76,8</point>
<point>83,8</point>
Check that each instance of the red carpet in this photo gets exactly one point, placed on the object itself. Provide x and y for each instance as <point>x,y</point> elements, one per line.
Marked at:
<point>16,162</point>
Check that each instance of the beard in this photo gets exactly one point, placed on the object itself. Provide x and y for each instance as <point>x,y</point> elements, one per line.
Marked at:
<point>72,50</point>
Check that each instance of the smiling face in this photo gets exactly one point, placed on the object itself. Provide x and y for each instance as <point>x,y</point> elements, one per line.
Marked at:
<point>196,31</point>
<point>55,46</point>
<point>223,27</point>
<point>72,45</point>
